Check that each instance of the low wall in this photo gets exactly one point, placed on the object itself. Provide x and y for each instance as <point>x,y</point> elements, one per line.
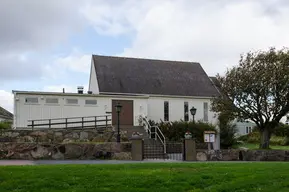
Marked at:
<point>242,155</point>
<point>33,151</point>
<point>60,135</point>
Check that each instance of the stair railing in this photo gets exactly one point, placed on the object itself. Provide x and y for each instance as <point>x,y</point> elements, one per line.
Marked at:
<point>154,132</point>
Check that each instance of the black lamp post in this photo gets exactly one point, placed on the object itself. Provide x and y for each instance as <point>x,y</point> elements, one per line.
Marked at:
<point>118,110</point>
<point>193,111</point>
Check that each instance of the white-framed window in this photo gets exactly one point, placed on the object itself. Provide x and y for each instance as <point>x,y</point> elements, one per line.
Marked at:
<point>90,102</point>
<point>51,100</point>
<point>72,101</point>
<point>186,111</point>
<point>166,111</point>
<point>31,100</point>
<point>248,130</point>
<point>206,111</point>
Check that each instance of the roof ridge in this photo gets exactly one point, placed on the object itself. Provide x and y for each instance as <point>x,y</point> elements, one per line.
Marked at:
<point>138,75</point>
<point>148,59</point>
<point>5,112</point>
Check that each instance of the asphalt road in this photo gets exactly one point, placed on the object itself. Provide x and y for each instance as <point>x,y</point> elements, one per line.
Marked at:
<point>56,162</point>
<point>63,162</point>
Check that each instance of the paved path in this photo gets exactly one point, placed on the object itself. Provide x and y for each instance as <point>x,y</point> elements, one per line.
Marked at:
<point>57,162</point>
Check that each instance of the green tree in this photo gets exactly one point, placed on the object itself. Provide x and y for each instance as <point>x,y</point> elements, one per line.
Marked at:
<point>257,90</point>
<point>228,130</point>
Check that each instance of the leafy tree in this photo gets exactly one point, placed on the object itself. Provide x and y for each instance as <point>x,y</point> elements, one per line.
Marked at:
<point>228,130</point>
<point>257,90</point>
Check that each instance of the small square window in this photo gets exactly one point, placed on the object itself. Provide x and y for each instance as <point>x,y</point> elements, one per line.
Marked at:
<point>90,102</point>
<point>31,100</point>
<point>52,100</point>
<point>71,101</point>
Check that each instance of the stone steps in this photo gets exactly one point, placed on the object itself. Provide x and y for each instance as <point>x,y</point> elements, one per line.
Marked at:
<point>129,130</point>
<point>153,149</point>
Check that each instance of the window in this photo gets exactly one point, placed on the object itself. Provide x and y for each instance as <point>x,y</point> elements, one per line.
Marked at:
<point>31,100</point>
<point>206,110</point>
<point>248,130</point>
<point>166,111</point>
<point>186,111</point>
<point>71,101</point>
<point>52,100</point>
<point>90,102</point>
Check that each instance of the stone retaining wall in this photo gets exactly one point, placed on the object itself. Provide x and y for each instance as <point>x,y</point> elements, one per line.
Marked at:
<point>60,135</point>
<point>242,155</point>
<point>84,151</point>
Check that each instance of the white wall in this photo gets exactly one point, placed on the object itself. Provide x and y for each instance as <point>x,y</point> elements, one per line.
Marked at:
<point>42,110</point>
<point>176,108</point>
<point>93,83</point>
<point>241,127</point>
<point>176,111</point>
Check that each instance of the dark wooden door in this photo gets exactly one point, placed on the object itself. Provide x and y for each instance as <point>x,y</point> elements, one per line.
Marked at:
<point>126,114</point>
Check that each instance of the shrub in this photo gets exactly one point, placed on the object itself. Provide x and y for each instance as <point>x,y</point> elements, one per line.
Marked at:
<point>175,131</point>
<point>282,130</point>
<point>228,130</point>
<point>243,138</point>
<point>253,137</point>
<point>5,125</point>
<point>228,135</point>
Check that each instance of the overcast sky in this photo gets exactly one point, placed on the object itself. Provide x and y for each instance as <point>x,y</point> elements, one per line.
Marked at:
<point>47,45</point>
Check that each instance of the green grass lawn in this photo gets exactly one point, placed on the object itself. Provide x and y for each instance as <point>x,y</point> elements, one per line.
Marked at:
<point>256,146</point>
<point>175,177</point>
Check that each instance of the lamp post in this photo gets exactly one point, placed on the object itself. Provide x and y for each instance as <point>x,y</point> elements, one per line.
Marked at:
<point>118,110</point>
<point>193,111</point>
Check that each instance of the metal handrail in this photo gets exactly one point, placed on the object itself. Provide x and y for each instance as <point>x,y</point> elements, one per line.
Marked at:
<point>157,135</point>
<point>68,118</point>
<point>77,120</point>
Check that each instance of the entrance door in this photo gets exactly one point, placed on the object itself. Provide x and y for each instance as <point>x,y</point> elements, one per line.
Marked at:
<point>126,114</point>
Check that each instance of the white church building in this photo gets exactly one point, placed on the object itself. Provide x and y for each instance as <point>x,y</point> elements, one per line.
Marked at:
<point>157,89</point>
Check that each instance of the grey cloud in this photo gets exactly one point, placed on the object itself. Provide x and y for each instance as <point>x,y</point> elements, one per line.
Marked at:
<point>12,68</point>
<point>33,26</point>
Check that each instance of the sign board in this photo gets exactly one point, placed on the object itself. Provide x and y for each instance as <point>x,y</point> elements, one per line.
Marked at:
<point>209,136</point>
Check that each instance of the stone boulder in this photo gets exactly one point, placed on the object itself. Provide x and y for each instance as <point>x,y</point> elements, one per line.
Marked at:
<point>73,151</point>
<point>40,152</point>
<point>202,156</point>
<point>83,135</point>
<point>71,135</point>
<point>58,136</point>
<point>122,156</point>
<point>38,134</point>
<point>68,141</point>
<point>11,134</point>
<point>230,155</point>
<point>57,156</point>
<point>25,139</point>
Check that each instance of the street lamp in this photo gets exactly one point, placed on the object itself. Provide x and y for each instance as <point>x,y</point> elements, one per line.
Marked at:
<point>118,110</point>
<point>193,111</point>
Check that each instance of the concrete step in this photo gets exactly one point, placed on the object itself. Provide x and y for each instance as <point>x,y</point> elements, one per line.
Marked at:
<point>130,129</point>
<point>156,156</point>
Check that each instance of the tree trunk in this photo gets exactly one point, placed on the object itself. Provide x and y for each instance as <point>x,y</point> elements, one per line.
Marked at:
<point>265,136</point>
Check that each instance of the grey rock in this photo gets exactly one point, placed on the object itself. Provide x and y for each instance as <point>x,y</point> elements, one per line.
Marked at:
<point>83,135</point>
<point>201,156</point>
<point>73,151</point>
<point>122,156</point>
<point>40,153</point>
<point>57,156</point>
<point>68,140</point>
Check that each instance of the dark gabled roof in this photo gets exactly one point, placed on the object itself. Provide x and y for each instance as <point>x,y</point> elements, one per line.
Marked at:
<point>152,77</point>
<point>216,82</point>
<point>6,114</point>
